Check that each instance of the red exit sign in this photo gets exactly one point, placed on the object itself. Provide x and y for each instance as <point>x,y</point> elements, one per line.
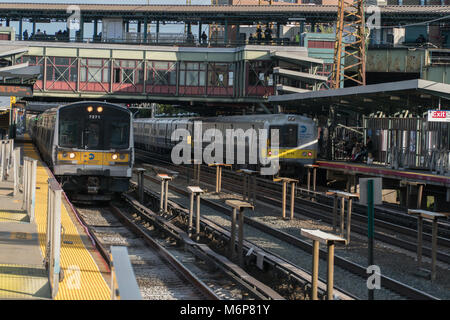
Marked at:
<point>439,115</point>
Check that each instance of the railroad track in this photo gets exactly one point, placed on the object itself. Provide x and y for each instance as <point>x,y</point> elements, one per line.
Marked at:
<point>274,267</point>
<point>157,276</point>
<point>163,268</point>
<point>350,269</point>
<point>387,231</point>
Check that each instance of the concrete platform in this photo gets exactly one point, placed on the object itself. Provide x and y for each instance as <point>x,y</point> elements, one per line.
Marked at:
<point>385,172</point>
<point>23,245</point>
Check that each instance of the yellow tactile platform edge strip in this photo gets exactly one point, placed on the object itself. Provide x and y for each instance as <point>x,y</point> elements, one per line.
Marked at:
<point>82,277</point>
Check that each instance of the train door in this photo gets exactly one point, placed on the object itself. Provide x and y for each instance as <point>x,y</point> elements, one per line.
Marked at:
<point>92,140</point>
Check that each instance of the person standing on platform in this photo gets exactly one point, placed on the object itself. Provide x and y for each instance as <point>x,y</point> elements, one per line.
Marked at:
<point>204,38</point>
<point>259,34</point>
<point>297,39</point>
<point>370,150</point>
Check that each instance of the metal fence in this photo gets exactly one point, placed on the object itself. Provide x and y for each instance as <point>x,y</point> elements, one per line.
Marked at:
<point>53,240</point>
<point>123,280</point>
<point>344,140</point>
<point>29,186</point>
<point>6,158</point>
<point>410,143</point>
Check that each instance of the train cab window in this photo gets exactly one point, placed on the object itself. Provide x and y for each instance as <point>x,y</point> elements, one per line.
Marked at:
<point>119,134</point>
<point>69,133</point>
<point>92,135</point>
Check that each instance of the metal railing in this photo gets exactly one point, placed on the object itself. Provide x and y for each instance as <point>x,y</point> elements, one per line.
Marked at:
<point>171,40</point>
<point>29,186</point>
<point>53,240</point>
<point>123,280</point>
<point>6,155</point>
<point>410,142</point>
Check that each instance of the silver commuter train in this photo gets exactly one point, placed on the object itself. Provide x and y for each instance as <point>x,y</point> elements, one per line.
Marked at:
<point>88,146</point>
<point>297,134</point>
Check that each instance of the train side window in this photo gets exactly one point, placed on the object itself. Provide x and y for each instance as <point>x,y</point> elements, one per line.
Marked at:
<point>287,135</point>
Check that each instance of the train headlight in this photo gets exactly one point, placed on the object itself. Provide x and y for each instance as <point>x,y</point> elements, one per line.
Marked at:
<point>114,156</point>
<point>122,156</point>
<point>309,154</point>
<point>100,109</point>
<point>72,155</point>
<point>64,154</point>
<point>90,109</point>
<point>304,154</point>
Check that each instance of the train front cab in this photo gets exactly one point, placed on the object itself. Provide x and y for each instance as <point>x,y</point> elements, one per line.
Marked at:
<point>297,146</point>
<point>94,150</point>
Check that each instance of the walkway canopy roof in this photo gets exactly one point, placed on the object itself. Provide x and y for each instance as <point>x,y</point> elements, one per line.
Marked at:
<point>389,97</point>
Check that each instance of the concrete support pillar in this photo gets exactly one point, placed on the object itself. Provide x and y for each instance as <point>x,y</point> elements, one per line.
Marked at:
<point>95,28</point>
<point>226,32</point>
<point>81,29</point>
<point>145,29</point>
<point>157,31</point>
<point>20,29</point>
<point>302,29</point>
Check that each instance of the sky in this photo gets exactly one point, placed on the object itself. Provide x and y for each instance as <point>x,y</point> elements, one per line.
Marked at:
<point>88,27</point>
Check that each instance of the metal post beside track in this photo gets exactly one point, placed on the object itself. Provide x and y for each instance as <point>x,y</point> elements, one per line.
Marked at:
<point>53,240</point>
<point>343,196</point>
<point>249,185</point>
<point>330,240</point>
<point>219,167</point>
<point>165,178</point>
<point>237,205</point>
<point>293,183</point>
<point>195,197</point>
<point>140,172</point>
<point>433,217</point>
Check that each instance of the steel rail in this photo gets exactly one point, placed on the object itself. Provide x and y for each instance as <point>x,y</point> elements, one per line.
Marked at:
<point>166,255</point>
<point>258,288</point>
<point>359,270</point>
<point>294,272</point>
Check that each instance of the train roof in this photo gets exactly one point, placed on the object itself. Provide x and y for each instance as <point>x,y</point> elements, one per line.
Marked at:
<point>236,119</point>
<point>54,109</point>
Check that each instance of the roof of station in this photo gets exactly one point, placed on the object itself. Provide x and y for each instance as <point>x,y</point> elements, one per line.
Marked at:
<point>209,13</point>
<point>375,97</point>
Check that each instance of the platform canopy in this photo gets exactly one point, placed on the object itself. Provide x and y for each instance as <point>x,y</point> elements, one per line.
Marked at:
<point>390,97</point>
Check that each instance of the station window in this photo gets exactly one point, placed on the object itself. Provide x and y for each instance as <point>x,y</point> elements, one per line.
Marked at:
<point>161,73</point>
<point>61,69</point>
<point>259,72</point>
<point>192,74</point>
<point>94,70</point>
<point>220,75</point>
<point>128,71</point>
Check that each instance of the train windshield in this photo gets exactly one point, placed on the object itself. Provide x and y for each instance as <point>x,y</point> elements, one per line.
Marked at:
<point>287,134</point>
<point>92,135</point>
<point>94,127</point>
<point>120,134</point>
<point>69,133</point>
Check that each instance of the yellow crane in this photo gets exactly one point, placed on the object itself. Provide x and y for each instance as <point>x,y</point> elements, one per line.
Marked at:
<point>350,45</point>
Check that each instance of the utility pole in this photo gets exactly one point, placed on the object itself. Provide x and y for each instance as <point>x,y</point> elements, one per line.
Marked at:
<point>350,45</point>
